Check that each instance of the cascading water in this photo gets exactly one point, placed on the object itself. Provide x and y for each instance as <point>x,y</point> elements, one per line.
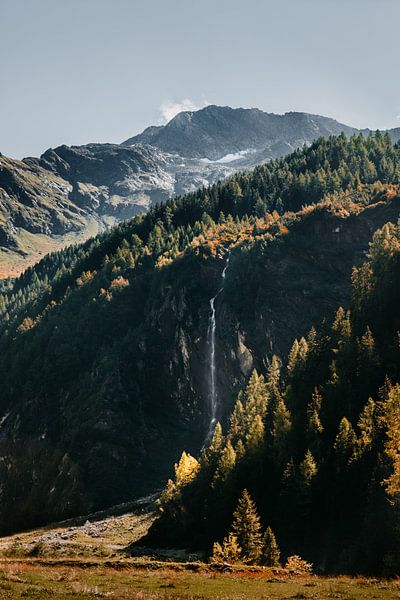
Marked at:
<point>212,326</point>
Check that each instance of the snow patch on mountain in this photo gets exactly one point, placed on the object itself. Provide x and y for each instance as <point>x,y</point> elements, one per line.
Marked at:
<point>228,158</point>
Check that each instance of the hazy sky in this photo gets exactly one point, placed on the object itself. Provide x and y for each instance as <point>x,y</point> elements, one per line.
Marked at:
<point>78,71</point>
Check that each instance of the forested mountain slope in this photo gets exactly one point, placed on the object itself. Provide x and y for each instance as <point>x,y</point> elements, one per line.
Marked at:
<point>316,444</point>
<point>105,350</point>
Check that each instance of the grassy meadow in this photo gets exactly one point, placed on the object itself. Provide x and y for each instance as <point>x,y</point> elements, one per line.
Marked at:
<point>37,580</point>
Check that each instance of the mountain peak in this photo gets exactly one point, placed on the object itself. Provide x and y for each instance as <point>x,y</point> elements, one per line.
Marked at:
<point>214,132</point>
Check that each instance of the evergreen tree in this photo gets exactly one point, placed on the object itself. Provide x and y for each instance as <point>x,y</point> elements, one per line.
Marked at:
<point>308,469</point>
<point>212,453</point>
<point>186,470</point>
<point>255,435</point>
<point>270,552</point>
<point>391,422</point>
<point>367,424</point>
<point>280,432</point>
<point>247,528</point>
<point>226,463</point>
<point>345,442</point>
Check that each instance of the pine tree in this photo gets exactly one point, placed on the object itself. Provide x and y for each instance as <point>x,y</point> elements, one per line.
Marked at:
<point>247,528</point>
<point>240,451</point>
<point>186,470</point>
<point>255,435</point>
<point>293,358</point>
<point>280,431</point>
<point>314,425</point>
<point>237,420</point>
<point>308,469</point>
<point>226,463</point>
<point>211,454</point>
<point>270,552</point>
<point>256,396</point>
<point>391,422</point>
<point>367,425</point>
<point>345,442</point>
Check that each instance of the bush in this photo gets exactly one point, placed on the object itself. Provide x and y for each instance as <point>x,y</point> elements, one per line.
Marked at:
<point>297,566</point>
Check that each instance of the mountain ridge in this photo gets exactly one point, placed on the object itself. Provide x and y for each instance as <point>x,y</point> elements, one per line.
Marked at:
<point>71,193</point>
<point>215,131</point>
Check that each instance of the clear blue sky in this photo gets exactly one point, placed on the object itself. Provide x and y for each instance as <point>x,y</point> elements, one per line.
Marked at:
<point>76,71</point>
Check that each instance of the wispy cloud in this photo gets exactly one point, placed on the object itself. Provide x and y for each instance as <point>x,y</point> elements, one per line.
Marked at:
<point>169,110</point>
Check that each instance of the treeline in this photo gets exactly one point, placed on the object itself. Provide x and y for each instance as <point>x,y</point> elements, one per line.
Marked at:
<point>328,167</point>
<point>316,444</point>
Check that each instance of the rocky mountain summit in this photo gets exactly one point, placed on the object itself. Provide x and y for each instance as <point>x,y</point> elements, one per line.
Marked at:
<point>241,135</point>
<point>215,132</point>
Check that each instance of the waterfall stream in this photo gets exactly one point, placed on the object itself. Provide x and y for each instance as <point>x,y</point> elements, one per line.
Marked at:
<point>212,327</point>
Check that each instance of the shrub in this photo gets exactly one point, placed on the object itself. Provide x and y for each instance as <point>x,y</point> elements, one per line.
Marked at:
<point>297,566</point>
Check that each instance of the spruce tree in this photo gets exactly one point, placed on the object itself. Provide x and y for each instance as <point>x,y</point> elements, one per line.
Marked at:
<point>308,469</point>
<point>367,424</point>
<point>247,528</point>
<point>314,427</point>
<point>212,453</point>
<point>270,552</point>
<point>255,435</point>
<point>345,442</point>
<point>186,470</point>
<point>280,430</point>
<point>391,422</point>
<point>226,463</point>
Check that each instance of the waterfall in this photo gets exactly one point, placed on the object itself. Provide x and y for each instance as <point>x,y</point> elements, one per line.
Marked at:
<point>212,327</point>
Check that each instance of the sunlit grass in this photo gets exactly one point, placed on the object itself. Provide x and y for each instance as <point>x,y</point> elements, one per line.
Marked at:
<point>27,579</point>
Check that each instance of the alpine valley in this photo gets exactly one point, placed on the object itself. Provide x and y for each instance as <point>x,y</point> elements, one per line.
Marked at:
<point>237,300</point>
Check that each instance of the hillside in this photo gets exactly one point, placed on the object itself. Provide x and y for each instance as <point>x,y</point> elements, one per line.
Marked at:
<point>316,444</point>
<point>108,348</point>
<point>71,193</point>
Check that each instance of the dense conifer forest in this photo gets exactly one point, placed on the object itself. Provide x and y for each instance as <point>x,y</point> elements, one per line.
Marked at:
<point>104,363</point>
<point>315,441</point>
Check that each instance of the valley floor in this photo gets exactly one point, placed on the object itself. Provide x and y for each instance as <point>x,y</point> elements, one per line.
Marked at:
<point>89,557</point>
<point>35,579</point>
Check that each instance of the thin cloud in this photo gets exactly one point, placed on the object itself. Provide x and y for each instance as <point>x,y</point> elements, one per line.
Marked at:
<point>169,110</point>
